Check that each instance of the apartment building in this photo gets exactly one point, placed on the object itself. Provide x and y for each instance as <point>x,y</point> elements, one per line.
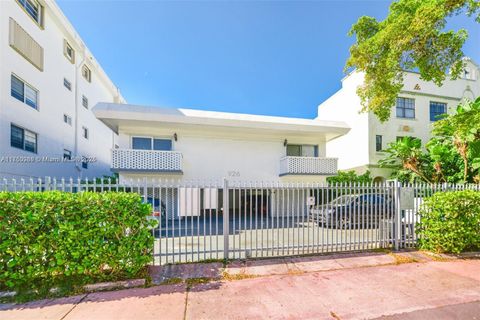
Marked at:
<point>418,106</point>
<point>185,145</point>
<point>49,81</point>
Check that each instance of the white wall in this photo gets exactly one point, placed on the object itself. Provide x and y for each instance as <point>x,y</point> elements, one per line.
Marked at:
<point>54,100</point>
<point>212,156</point>
<point>351,149</point>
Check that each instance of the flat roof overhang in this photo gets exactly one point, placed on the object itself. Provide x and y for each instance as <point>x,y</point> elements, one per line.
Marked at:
<point>116,116</point>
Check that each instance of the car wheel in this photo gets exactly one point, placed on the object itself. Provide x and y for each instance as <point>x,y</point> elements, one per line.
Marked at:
<point>343,223</point>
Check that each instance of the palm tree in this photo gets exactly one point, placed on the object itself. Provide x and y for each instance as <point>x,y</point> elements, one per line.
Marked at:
<point>462,131</point>
<point>406,153</point>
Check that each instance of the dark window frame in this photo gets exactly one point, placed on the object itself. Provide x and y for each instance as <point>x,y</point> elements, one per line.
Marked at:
<point>378,143</point>
<point>84,101</point>
<point>67,154</point>
<point>23,96</point>
<point>434,114</point>
<point>23,144</point>
<point>148,143</point>
<point>84,163</point>
<point>404,106</point>
<point>300,148</point>
<point>67,84</point>
<point>85,133</point>
<point>34,13</point>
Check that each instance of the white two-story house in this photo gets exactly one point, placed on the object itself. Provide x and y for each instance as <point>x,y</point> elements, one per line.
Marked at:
<point>193,145</point>
<point>418,106</point>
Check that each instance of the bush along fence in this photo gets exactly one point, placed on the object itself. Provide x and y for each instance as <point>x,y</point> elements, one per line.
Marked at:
<point>235,219</point>
<point>64,240</point>
<point>450,222</point>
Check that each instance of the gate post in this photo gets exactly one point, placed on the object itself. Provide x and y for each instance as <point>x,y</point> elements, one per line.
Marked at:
<point>226,220</point>
<point>397,221</point>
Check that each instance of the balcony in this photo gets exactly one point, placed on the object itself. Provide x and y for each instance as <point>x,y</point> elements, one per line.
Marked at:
<point>308,166</point>
<point>146,161</point>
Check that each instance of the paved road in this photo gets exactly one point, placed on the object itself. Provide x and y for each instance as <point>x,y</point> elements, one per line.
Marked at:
<point>470,310</point>
<point>431,290</point>
<point>198,239</point>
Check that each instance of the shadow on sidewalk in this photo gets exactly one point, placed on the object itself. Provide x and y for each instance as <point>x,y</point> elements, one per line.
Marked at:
<point>108,296</point>
<point>195,277</point>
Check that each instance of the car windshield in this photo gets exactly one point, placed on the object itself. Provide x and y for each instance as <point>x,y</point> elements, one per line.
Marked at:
<point>342,200</point>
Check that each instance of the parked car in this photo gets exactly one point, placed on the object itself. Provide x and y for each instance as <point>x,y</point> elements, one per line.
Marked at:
<point>159,212</point>
<point>353,211</point>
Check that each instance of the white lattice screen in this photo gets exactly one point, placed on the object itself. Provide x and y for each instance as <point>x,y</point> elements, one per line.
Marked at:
<point>308,165</point>
<point>144,160</point>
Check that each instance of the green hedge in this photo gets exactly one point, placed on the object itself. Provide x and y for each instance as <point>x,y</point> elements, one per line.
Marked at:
<point>450,222</point>
<point>58,239</point>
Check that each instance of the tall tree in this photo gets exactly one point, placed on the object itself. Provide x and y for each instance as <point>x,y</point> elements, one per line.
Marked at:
<point>412,37</point>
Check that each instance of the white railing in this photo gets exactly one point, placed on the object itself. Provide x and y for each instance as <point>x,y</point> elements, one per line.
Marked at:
<point>308,166</point>
<point>203,220</point>
<point>146,160</point>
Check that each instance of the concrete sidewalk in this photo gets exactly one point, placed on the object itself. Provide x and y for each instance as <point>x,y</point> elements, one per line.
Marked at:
<point>400,286</point>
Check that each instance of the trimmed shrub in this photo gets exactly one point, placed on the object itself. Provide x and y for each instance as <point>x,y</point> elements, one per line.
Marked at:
<point>450,222</point>
<point>59,239</point>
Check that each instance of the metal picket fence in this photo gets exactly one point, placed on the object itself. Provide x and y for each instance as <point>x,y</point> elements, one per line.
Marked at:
<point>233,219</point>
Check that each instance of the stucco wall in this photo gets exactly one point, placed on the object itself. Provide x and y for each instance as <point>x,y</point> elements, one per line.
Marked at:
<point>212,156</point>
<point>351,149</point>
<point>54,100</point>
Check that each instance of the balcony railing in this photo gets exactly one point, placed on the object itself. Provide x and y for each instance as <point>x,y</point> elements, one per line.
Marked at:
<point>308,166</point>
<point>146,160</point>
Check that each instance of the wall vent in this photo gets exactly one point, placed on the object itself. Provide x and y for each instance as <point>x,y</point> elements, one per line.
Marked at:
<point>24,44</point>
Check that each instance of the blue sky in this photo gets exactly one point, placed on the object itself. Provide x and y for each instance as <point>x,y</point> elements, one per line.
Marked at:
<point>262,57</point>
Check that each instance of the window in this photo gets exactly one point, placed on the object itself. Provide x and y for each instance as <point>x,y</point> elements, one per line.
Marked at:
<point>85,133</point>
<point>469,73</point>
<point>68,51</point>
<point>67,119</point>
<point>23,139</point>
<point>141,143</point>
<point>86,73</point>
<point>146,143</point>
<point>24,44</point>
<point>67,154</point>
<point>405,108</point>
<point>84,163</point>
<point>437,109</point>
<point>162,144</point>
<point>298,150</point>
<point>378,143</point>
<point>67,84</point>
<point>33,9</point>
<point>24,92</point>
<point>84,102</point>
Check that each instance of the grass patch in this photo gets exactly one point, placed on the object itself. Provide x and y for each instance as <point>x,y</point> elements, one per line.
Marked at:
<point>224,262</point>
<point>401,259</point>
<point>238,276</point>
<point>437,257</point>
<point>171,281</point>
<point>196,281</point>
<point>294,272</point>
<point>381,250</point>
